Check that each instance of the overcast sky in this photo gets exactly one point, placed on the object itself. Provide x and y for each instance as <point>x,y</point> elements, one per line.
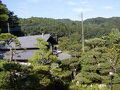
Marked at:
<point>59,9</point>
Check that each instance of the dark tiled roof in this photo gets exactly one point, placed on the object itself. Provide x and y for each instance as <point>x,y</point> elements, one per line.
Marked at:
<point>20,54</point>
<point>29,45</point>
<point>30,41</point>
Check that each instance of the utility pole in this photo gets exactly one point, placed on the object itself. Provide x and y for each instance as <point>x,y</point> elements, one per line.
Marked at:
<point>8,27</point>
<point>11,52</point>
<point>83,50</point>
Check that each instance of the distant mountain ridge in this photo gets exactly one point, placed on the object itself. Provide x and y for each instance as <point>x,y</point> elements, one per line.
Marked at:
<point>94,27</point>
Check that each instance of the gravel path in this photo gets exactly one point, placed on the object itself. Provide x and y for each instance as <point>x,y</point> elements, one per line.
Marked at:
<point>63,56</point>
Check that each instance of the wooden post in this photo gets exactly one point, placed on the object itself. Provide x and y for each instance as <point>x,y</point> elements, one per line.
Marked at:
<point>8,27</point>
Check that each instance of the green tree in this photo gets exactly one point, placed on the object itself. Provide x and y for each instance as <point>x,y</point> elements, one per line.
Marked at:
<point>64,43</point>
<point>7,39</point>
<point>41,63</point>
<point>43,55</point>
<point>3,15</point>
<point>8,18</point>
<point>3,12</point>
<point>102,57</point>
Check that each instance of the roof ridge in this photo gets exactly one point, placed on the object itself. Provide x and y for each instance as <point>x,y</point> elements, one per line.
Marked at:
<point>33,35</point>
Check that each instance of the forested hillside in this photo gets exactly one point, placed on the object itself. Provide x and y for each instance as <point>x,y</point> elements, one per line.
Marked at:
<point>94,27</point>
<point>97,68</point>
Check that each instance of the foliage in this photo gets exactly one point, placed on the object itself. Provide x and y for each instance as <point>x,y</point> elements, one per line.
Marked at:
<point>4,12</point>
<point>87,87</point>
<point>84,71</point>
<point>7,39</point>
<point>94,27</point>
<point>46,69</point>
<point>96,63</point>
<point>3,79</point>
<point>89,71</point>
<point>43,55</point>
<point>6,16</point>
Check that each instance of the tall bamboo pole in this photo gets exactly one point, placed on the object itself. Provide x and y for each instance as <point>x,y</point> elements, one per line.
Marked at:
<point>83,50</point>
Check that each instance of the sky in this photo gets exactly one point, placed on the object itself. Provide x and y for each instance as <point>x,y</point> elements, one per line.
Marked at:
<point>64,9</point>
